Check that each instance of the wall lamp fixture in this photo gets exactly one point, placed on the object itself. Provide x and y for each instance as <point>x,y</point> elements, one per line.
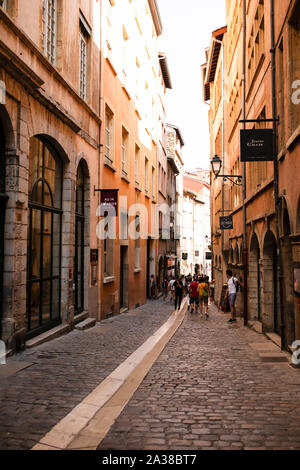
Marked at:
<point>216,164</point>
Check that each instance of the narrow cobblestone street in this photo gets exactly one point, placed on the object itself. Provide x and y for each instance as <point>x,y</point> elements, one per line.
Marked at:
<point>62,372</point>
<point>210,389</point>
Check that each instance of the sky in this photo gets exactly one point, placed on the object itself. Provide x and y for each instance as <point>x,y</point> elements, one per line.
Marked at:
<point>187,28</point>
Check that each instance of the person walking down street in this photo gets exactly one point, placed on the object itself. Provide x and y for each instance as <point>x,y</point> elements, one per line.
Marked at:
<point>152,287</point>
<point>203,291</point>
<point>178,293</point>
<point>233,285</point>
<point>165,286</point>
<point>172,288</point>
<point>194,298</point>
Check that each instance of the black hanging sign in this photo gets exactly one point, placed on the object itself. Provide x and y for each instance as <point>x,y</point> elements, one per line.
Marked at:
<point>226,223</point>
<point>109,198</point>
<point>257,145</point>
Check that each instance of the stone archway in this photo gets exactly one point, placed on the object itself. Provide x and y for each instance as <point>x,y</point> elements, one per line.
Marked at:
<point>270,301</point>
<point>7,212</point>
<point>82,239</point>
<point>254,281</point>
<point>288,272</point>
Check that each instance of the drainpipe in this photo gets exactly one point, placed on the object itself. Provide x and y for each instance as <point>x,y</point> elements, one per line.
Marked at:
<point>99,160</point>
<point>244,189</point>
<point>276,179</point>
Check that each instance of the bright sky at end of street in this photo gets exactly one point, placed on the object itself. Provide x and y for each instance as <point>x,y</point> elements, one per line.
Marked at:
<point>187,28</point>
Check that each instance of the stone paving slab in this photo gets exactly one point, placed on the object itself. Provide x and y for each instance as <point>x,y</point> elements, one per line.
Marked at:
<point>66,370</point>
<point>210,390</point>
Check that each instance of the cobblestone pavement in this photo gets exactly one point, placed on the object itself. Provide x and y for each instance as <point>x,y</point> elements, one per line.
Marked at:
<point>65,370</point>
<point>210,389</point>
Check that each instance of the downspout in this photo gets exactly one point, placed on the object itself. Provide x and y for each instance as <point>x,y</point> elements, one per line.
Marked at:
<point>244,189</point>
<point>99,160</point>
<point>276,179</point>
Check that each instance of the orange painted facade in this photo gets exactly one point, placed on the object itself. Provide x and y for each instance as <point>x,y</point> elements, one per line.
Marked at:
<point>264,305</point>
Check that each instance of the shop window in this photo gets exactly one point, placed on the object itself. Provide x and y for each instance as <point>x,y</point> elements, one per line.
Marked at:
<point>44,237</point>
<point>79,260</point>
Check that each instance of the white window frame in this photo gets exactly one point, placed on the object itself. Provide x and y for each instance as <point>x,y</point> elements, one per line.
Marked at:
<point>124,153</point>
<point>50,29</point>
<point>146,175</point>
<point>108,138</point>
<point>137,165</point>
<point>83,52</point>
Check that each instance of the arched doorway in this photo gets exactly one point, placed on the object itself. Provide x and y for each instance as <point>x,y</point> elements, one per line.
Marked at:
<point>254,281</point>
<point>271,313</point>
<point>288,277</point>
<point>79,258</point>
<point>3,199</point>
<point>44,237</point>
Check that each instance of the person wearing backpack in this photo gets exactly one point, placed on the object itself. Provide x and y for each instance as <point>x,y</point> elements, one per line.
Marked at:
<point>203,290</point>
<point>233,286</point>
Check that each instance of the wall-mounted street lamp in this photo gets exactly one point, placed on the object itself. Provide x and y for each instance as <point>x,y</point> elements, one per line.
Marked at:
<point>216,165</point>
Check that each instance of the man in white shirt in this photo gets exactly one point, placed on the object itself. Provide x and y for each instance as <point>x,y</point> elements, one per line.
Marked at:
<point>232,283</point>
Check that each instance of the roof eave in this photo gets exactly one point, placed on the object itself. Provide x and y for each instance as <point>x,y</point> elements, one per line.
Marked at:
<point>165,70</point>
<point>214,52</point>
<point>156,16</point>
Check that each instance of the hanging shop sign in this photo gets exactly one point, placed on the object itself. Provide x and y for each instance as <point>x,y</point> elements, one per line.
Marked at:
<point>109,198</point>
<point>208,255</point>
<point>257,145</point>
<point>184,256</point>
<point>226,222</point>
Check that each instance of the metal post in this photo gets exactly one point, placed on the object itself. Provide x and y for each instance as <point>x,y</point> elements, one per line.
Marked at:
<point>245,248</point>
<point>276,178</point>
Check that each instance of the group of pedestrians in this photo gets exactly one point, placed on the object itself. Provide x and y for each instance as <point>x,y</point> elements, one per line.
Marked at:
<point>200,290</point>
<point>197,288</point>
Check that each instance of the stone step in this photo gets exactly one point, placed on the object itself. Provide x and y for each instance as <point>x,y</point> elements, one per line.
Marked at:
<point>48,336</point>
<point>85,324</point>
<point>273,357</point>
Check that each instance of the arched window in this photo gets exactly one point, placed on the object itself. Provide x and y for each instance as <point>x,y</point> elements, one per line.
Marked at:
<point>44,237</point>
<point>79,242</point>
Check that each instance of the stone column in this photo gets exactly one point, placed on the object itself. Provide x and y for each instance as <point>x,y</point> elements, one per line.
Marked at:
<point>68,242</point>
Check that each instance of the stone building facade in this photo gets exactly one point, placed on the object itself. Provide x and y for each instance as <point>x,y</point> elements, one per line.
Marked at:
<point>49,128</point>
<point>264,286</point>
<point>174,148</point>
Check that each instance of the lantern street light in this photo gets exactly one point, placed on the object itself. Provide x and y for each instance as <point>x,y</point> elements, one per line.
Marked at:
<point>216,165</point>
